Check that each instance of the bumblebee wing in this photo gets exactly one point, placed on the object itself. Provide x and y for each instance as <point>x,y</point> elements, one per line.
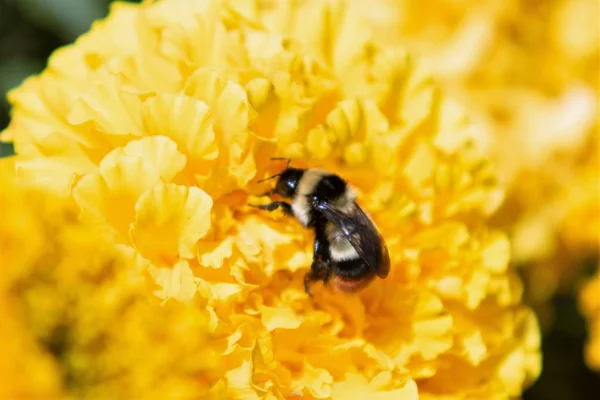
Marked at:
<point>362,234</point>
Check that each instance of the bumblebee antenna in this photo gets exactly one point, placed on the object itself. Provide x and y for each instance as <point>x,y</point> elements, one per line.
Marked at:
<point>266,179</point>
<point>289,160</point>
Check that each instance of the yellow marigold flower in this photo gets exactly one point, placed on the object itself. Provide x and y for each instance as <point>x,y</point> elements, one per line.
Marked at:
<point>590,306</point>
<point>583,205</point>
<point>541,123</point>
<point>78,316</point>
<point>496,42</point>
<point>156,123</point>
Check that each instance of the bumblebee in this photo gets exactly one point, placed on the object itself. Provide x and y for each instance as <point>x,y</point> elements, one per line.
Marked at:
<point>347,245</point>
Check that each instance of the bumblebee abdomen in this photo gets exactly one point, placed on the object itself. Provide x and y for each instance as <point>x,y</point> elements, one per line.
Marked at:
<point>352,269</point>
<point>340,249</point>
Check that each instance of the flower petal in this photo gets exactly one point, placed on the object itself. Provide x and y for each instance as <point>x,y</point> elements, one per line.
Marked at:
<point>187,122</point>
<point>115,190</point>
<point>111,109</point>
<point>161,152</point>
<point>317,382</point>
<point>169,220</point>
<point>177,282</point>
<point>496,253</point>
<point>279,318</point>
<point>355,386</point>
<point>239,382</point>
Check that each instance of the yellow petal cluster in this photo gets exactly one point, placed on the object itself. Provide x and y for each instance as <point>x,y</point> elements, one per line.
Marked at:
<point>78,316</point>
<point>157,123</point>
<point>529,72</point>
<point>590,306</point>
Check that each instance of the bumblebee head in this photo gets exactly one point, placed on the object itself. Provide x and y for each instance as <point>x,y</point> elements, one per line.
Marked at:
<point>288,182</point>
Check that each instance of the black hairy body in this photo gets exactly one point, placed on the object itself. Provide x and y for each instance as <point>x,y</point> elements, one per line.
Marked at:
<point>347,245</point>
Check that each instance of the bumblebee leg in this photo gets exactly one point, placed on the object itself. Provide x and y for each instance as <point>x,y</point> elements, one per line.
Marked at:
<point>268,193</point>
<point>286,207</point>
<point>319,271</point>
<point>320,248</point>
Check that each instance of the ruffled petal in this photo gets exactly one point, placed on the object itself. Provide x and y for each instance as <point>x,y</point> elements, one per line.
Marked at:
<point>169,220</point>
